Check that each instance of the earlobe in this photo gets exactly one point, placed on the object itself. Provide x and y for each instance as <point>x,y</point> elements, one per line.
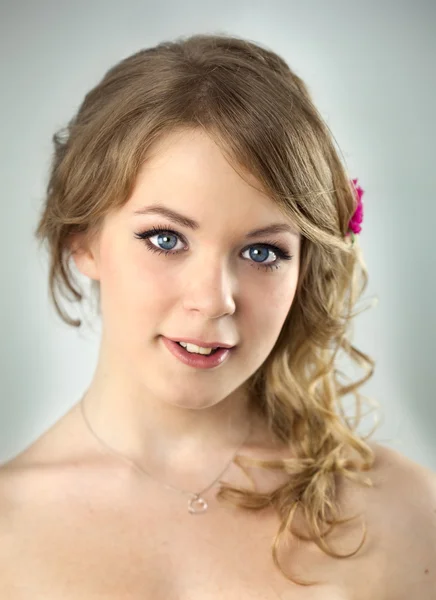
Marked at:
<point>86,263</point>
<point>85,259</point>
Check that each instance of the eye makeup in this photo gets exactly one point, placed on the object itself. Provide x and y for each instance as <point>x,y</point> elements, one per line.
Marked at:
<point>273,246</point>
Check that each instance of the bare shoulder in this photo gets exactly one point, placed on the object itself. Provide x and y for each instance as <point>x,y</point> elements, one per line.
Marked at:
<point>405,499</point>
<point>413,484</point>
<point>18,486</point>
<point>13,486</point>
<point>13,482</point>
<point>36,478</point>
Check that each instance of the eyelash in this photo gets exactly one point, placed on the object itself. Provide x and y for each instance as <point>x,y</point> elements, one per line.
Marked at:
<point>280,252</point>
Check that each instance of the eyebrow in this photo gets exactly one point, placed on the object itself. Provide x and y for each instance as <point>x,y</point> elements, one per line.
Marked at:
<point>185,221</point>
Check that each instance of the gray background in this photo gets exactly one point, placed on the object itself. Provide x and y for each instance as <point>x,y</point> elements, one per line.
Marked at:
<point>370,68</point>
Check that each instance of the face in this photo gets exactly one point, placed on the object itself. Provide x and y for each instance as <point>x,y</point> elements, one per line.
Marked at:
<point>209,280</point>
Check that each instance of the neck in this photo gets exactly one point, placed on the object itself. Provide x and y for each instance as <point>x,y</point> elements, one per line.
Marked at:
<point>183,440</point>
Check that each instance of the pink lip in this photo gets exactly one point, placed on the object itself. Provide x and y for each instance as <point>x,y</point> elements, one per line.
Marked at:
<point>198,361</point>
<point>201,343</point>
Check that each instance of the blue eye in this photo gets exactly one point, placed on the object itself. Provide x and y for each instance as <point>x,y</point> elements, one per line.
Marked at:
<point>166,237</point>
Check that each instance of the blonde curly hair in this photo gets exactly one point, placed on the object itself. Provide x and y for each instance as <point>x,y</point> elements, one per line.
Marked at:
<point>262,116</point>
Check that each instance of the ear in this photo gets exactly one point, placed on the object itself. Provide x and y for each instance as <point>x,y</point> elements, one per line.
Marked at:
<point>85,253</point>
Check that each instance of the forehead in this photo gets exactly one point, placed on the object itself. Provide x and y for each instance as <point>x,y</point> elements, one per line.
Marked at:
<point>195,159</point>
<point>187,171</point>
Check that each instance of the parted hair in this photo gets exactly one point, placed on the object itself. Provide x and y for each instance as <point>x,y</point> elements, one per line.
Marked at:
<point>261,114</point>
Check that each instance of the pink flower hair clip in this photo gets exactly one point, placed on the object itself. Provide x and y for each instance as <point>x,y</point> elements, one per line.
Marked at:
<point>354,226</point>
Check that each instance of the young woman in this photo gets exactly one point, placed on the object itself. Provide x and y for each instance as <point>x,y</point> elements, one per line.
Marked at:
<point>200,193</point>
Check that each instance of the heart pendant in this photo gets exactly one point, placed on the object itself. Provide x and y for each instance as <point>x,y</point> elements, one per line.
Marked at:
<point>197,505</point>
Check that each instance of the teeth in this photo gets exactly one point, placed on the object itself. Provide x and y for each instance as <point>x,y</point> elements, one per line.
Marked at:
<point>196,349</point>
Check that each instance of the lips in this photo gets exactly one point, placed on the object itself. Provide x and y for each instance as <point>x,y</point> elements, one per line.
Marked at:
<point>198,361</point>
<point>202,344</point>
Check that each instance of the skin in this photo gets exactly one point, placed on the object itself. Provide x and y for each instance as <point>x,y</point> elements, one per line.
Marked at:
<point>142,400</point>
<point>75,522</point>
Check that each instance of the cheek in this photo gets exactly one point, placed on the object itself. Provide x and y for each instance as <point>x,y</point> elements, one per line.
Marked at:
<point>126,270</point>
<point>269,307</point>
<point>153,282</point>
<point>132,295</point>
<point>121,279</point>
<point>275,294</point>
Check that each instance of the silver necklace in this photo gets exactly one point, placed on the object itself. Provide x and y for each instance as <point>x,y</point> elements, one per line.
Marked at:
<point>196,503</point>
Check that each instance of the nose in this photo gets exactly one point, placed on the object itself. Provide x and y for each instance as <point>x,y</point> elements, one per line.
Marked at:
<point>210,288</point>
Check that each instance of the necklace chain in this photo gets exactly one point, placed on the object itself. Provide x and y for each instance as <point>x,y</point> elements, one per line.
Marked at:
<point>196,504</point>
